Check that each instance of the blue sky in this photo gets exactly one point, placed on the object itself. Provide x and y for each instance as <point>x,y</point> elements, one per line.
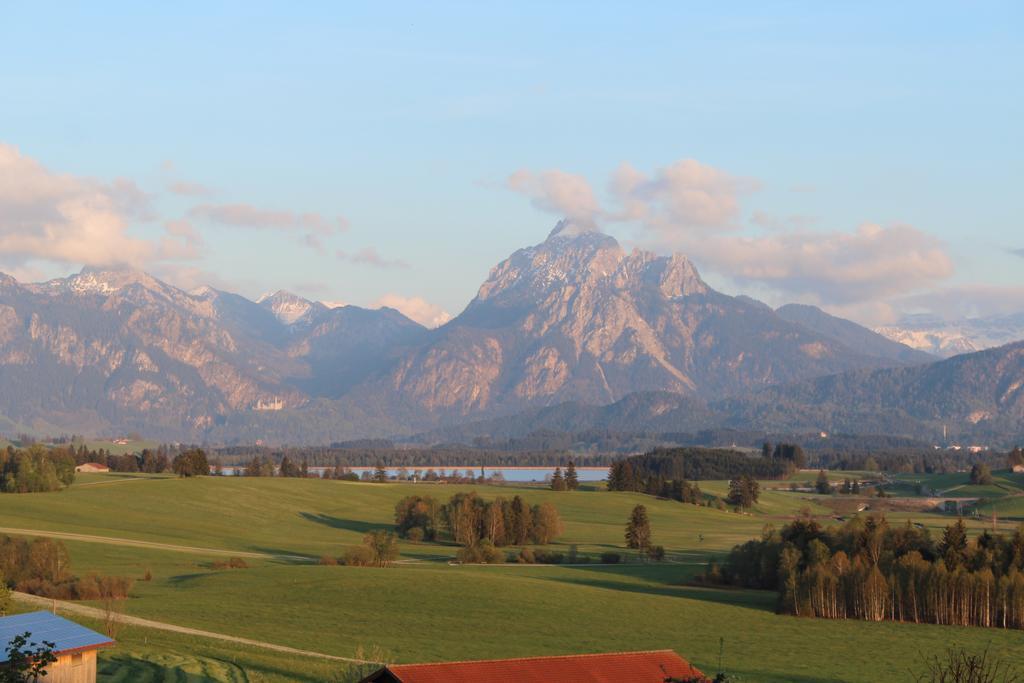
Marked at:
<point>226,140</point>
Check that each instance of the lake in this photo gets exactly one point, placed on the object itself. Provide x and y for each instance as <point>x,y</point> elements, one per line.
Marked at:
<point>519,474</point>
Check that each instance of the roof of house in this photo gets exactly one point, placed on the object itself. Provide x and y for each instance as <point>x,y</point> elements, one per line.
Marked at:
<point>96,465</point>
<point>636,667</point>
<point>67,636</point>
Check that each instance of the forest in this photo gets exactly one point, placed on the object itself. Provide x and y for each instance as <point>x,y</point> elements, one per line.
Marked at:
<point>649,472</point>
<point>35,469</point>
<point>867,569</point>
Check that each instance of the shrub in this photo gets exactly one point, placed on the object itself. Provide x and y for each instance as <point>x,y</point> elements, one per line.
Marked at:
<point>525,556</point>
<point>550,558</point>
<point>656,553</point>
<point>415,534</point>
<point>328,560</point>
<point>148,576</point>
<point>230,563</point>
<point>610,558</point>
<point>358,556</point>
<point>481,552</point>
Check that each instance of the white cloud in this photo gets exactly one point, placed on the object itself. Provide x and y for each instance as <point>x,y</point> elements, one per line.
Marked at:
<point>965,301</point>
<point>684,195</point>
<point>554,191</point>
<point>834,267</point>
<point>248,216</point>
<point>369,256</point>
<point>189,189</point>
<point>66,219</point>
<point>695,208</point>
<point>415,308</point>
<point>181,241</point>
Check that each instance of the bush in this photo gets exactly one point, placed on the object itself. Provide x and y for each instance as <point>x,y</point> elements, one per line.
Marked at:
<point>481,552</point>
<point>148,576</point>
<point>656,553</point>
<point>550,558</point>
<point>358,556</point>
<point>415,534</point>
<point>525,556</point>
<point>230,563</point>
<point>610,558</point>
<point>328,560</point>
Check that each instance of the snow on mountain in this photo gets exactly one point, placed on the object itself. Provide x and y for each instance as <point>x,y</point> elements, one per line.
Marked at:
<point>948,338</point>
<point>289,308</point>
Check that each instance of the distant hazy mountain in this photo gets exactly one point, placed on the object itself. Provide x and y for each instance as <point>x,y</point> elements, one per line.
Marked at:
<point>946,338</point>
<point>979,394</point>
<point>573,321</point>
<point>576,318</point>
<point>977,398</point>
<point>118,350</point>
<point>853,335</point>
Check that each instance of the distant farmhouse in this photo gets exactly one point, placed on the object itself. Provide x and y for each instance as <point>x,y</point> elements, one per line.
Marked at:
<point>621,667</point>
<point>75,646</point>
<point>91,467</point>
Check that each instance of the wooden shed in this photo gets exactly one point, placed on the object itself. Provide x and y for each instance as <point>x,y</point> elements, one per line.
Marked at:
<point>655,666</point>
<point>75,646</point>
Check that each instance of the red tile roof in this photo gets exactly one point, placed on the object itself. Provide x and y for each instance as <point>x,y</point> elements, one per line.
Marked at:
<point>620,667</point>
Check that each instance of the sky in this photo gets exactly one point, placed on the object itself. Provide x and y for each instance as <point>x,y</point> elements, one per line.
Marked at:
<point>864,157</point>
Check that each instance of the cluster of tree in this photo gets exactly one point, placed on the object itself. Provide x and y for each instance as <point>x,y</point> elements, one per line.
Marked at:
<point>926,460</point>
<point>743,492</point>
<point>622,478</point>
<point>850,487</point>
<point>75,449</point>
<point>981,474</point>
<point>568,482</point>
<point>638,535</point>
<point>785,453</point>
<point>866,569</point>
<point>42,567</point>
<point>378,549</point>
<point>191,463</point>
<point>695,464</point>
<point>469,519</point>
<point>423,457</point>
<point>35,469</point>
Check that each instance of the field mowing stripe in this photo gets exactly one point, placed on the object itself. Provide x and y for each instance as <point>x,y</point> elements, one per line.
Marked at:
<point>95,613</point>
<point>110,540</point>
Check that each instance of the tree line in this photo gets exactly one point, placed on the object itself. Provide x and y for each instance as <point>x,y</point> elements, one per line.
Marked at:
<point>410,457</point>
<point>35,469</point>
<point>695,464</point>
<point>42,567</point>
<point>867,569</point>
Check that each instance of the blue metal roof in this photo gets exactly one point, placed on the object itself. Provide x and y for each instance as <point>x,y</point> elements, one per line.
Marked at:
<point>66,635</point>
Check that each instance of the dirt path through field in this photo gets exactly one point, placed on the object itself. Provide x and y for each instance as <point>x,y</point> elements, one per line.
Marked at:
<point>109,540</point>
<point>95,613</point>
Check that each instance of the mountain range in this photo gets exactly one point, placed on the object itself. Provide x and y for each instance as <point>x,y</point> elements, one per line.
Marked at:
<point>947,338</point>
<point>575,324</point>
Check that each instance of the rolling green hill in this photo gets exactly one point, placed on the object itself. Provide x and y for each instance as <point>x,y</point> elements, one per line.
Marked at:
<point>426,609</point>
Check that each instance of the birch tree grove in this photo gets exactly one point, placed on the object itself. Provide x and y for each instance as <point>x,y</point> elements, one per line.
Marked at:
<point>866,569</point>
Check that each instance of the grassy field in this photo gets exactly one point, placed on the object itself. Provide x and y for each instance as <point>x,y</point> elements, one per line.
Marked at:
<point>429,610</point>
<point>133,446</point>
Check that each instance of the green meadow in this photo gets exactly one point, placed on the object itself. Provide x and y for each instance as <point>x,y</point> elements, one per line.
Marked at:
<point>425,609</point>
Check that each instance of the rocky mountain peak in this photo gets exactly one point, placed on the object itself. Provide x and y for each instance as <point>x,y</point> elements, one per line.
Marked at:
<point>289,308</point>
<point>102,281</point>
